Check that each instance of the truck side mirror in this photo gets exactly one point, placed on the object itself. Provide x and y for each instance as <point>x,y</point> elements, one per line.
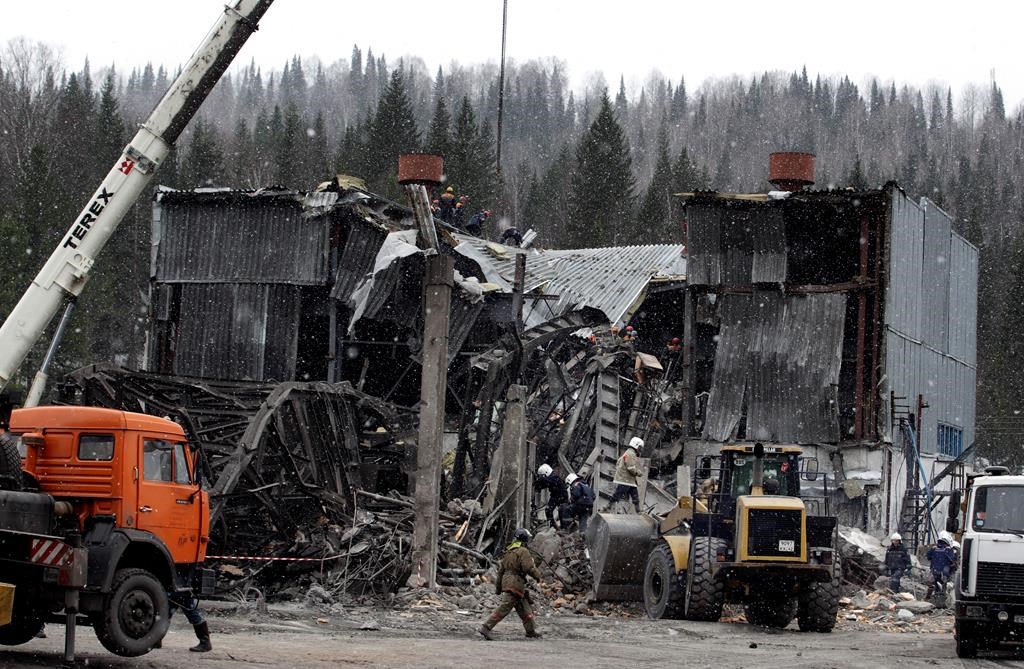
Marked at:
<point>809,469</point>
<point>953,510</point>
<point>197,467</point>
<point>953,524</point>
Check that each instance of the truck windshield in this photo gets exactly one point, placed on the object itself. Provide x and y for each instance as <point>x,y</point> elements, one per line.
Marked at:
<point>999,508</point>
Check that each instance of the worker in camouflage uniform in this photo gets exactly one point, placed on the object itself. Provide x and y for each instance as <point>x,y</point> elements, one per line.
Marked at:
<point>516,564</point>
<point>627,474</point>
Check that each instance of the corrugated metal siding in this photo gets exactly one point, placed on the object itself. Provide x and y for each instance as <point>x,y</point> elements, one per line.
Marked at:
<point>963,300</point>
<point>703,263</point>
<point>356,262</point>
<point>238,331</point>
<point>935,271</point>
<point>736,246</point>
<point>611,280</point>
<point>906,241</point>
<point>224,241</point>
<point>937,289</point>
<point>782,354</point>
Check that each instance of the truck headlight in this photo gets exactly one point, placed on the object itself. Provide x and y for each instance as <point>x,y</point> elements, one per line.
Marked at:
<point>1002,616</point>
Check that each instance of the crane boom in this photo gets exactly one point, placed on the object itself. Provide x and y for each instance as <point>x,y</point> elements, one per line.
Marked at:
<point>67,269</point>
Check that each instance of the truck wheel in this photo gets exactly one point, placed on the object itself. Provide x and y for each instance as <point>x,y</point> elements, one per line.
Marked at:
<point>704,594</point>
<point>135,614</point>
<point>966,641</point>
<point>771,610</point>
<point>664,588</point>
<point>26,621</point>
<point>10,463</point>
<point>818,603</point>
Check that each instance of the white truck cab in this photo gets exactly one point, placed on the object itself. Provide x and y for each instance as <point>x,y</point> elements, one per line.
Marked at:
<point>989,521</point>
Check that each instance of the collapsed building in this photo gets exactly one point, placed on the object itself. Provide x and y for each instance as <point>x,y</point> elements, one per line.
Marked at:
<point>285,335</point>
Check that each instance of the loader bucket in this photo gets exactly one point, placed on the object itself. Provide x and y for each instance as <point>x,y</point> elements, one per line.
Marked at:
<point>619,545</point>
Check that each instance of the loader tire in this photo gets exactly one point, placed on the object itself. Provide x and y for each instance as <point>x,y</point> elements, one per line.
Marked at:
<point>771,610</point>
<point>704,594</point>
<point>664,587</point>
<point>10,463</point>
<point>819,603</point>
<point>135,614</point>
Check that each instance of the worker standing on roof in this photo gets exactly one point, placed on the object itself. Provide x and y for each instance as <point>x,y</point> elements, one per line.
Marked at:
<point>447,204</point>
<point>475,226</point>
<point>627,474</point>
<point>516,564</point>
<point>558,493</point>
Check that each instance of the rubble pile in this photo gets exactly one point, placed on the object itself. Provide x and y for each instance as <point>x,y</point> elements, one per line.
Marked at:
<point>366,557</point>
<point>863,560</point>
<point>894,612</point>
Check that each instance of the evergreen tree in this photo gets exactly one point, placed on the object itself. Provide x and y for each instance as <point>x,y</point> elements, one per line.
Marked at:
<point>603,186</point>
<point>654,222</point>
<point>204,162</point>
<point>110,132</point>
<point>291,151</point>
<point>438,135</point>
<point>392,133</point>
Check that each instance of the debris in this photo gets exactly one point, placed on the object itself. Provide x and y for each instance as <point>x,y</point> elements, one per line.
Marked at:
<point>905,614</point>
<point>915,606</point>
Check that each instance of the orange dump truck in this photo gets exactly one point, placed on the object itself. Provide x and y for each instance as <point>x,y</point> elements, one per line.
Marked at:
<point>101,516</point>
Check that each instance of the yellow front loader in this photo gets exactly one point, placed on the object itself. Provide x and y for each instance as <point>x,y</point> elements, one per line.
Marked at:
<point>742,535</point>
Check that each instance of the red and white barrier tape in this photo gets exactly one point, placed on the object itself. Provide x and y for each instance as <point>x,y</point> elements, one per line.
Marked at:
<point>245,558</point>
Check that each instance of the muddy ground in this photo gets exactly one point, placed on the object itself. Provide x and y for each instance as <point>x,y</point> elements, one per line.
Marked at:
<point>299,636</point>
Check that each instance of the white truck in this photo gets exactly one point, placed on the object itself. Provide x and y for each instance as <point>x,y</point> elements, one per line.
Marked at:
<point>988,518</point>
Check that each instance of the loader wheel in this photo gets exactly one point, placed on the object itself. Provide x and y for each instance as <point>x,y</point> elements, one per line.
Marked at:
<point>26,620</point>
<point>819,603</point>
<point>664,588</point>
<point>771,610</point>
<point>135,614</point>
<point>704,595</point>
<point>10,463</point>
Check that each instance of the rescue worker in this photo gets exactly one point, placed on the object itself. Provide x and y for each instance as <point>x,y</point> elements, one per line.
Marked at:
<point>581,502</point>
<point>447,202</point>
<point>627,471</point>
<point>512,237</point>
<point>943,562</point>
<point>897,561</point>
<point>475,226</point>
<point>558,493</point>
<point>771,486</point>
<point>458,214</point>
<point>189,604</point>
<point>516,564</point>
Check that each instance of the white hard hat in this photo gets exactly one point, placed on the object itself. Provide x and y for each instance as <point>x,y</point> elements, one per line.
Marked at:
<point>570,479</point>
<point>544,470</point>
<point>896,537</point>
<point>636,442</point>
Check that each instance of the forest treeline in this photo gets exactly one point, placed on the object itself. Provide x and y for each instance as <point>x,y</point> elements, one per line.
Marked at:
<point>589,167</point>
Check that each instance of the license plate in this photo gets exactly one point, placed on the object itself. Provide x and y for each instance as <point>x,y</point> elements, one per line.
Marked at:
<point>1018,619</point>
<point>787,545</point>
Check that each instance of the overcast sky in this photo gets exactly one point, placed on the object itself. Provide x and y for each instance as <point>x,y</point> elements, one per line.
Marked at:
<point>933,41</point>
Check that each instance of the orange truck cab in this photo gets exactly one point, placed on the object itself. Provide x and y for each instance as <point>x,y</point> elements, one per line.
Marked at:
<point>111,506</point>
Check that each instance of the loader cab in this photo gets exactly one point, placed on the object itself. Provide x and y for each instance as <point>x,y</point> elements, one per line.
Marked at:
<point>720,479</point>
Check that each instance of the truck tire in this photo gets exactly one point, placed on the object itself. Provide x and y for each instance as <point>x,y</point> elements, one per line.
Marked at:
<point>818,603</point>
<point>966,640</point>
<point>664,588</point>
<point>771,610</point>
<point>704,594</point>
<point>135,614</point>
<point>26,620</point>
<point>10,463</point>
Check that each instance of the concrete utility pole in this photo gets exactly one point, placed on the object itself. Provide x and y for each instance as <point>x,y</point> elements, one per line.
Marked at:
<point>414,171</point>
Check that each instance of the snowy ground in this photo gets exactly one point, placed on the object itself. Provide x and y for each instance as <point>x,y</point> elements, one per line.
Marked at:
<point>295,636</point>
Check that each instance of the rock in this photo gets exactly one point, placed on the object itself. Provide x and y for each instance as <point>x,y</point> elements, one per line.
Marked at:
<point>468,602</point>
<point>881,583</point>
<point>844,601</point>
<point>316,596</point>
<point>564,575</point>
<point>851,616</point>
<point>905,614</point>
<point>472,507</point>
<point>559,603</point>
<point>884,604</point>
<point>581,607</point>
<point>915,606</point>
<point>547,544</point>
<point>906,596</point>
<point>369,624</point>
<point>861,601</point>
